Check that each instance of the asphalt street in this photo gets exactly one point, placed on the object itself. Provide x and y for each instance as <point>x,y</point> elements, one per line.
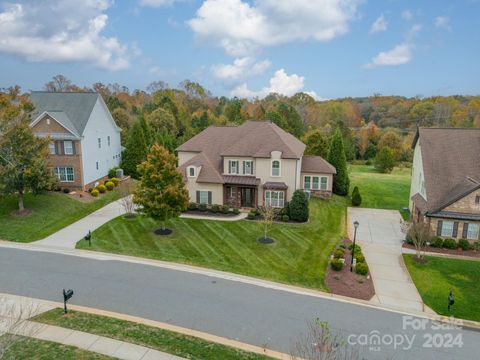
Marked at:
<point>248,313</point>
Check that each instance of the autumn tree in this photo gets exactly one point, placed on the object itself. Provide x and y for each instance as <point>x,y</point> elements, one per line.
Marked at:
<point>317,143</point>
<point>23,155</point>
<point>136,150</point>
<point>161,193</point>
<point>336,157</point>
<point>123,121</point>
<point>60,83</point>
<point>391,139</point>
<point>385,160</point>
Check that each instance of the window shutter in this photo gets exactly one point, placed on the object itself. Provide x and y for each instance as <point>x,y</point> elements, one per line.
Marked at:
<point>465,230</point>
<point>439,227</point>
<point>60,147</point>
<point>229,166</point>
<point>244,168</point>
<point>73,148</point>
<point>209,198</point>
<point>455,229</point>
<point>198,197</point>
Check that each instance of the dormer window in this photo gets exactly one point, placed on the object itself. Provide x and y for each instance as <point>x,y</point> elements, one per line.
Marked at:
<point>191,171</point>
<point>233,166</point>
<point>275,168</point>
<point>248,167</point>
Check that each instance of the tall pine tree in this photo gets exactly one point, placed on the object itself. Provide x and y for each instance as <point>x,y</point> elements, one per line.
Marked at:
<point>336,157</point>
<point>136,150</point>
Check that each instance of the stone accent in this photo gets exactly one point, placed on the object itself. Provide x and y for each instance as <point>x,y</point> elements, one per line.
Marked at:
<point>466,204</point>
<point>434,224</point>
<point>323,194</point>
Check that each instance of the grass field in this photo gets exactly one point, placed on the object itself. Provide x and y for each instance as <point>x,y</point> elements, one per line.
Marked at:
<point>50,213</point>
<point>381,191</point>
<point>438,276</point>
<point>34,349</point>
<point>298,256</point>
<point>167,341</point>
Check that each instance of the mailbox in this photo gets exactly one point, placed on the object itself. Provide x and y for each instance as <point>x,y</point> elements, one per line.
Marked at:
<point>67,294</point>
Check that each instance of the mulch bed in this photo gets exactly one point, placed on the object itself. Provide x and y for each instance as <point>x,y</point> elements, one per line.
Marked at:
<point>471,253</point>
<point>348,283</point>
<point>209,213</point>
<point>162,232</point>
<point>264,240</point>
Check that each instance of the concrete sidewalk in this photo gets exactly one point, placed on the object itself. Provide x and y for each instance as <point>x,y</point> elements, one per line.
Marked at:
<point>70,235</point>
<point>380,236</point>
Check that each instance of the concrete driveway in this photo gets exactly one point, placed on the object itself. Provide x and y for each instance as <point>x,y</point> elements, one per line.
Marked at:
<point>380,236</point>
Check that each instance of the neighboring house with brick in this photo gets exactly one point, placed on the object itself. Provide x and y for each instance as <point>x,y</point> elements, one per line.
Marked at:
<point>250,165</point>
<point>85,141</point>
<point>445,185</point>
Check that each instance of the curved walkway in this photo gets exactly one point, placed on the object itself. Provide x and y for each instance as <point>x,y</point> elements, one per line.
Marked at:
<point>68,237</point>
<point>380,236</point>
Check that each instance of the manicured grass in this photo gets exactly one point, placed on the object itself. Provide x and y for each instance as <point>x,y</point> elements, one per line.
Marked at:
<point>381,191</point>
<point>298,256</point>
<point>163,340</point>
<point>438,276</point>
<point>34,349</point>
<point>50,213</point>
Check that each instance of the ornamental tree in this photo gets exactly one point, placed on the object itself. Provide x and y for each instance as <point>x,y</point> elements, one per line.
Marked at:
<point>161,193</point>
<point>336,157</point>
<point>136,150</point>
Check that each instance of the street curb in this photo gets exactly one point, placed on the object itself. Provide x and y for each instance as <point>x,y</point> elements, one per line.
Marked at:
<point>102,256</point>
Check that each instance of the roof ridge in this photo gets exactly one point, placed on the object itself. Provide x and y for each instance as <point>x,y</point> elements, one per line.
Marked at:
<point>275,127</point>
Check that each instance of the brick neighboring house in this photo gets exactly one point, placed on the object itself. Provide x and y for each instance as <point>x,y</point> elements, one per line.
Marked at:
<point>85,139</point>
<point>250,165</point>
<point>445,185</point>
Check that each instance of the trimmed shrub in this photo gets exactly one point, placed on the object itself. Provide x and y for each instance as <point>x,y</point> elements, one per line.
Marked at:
<point>342,246</point>
<point>225,209</point>
<point>66,190</point>
<point>94,192</point>
<point>361,269</point>
<point>356,197</point>
<point>251,216</point>
<point>360,257</point>
<point>437,242</point>
<point>357,248</point>
<point>109,185</point>
<point>298,206</point>
<point>115,181</point>
<point>336,264</point>
<point>102,189</point>
<point>477,245</point>
<point>408,239</point>
<point>450,244</point>
<point>464,244</point>
<point>202,207</point>
<point>236,211</point>
<point>89,190</point>
<point>192,206</point>
<point>285,218</point>
<point>112,172</point>
<point>339,254</point>
<point>215,208</point>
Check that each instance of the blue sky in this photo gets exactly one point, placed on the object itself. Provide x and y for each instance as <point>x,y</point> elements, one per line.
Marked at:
<point>328,48</point>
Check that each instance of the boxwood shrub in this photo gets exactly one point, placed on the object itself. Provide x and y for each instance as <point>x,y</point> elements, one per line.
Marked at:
<point>94,192</point>
<point>102,189</point>
<point>339,254</point>
<point>336,264</point>
<point>464,244</point>
<point>436,242</point>
<point>361,269</point>
<point>109,185</point>
<point>450,244</point>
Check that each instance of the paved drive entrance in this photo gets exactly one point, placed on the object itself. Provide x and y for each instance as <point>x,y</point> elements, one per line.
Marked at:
<point>380,236</point>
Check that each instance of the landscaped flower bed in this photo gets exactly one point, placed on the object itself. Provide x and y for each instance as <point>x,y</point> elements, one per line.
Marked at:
<point>211,210</point>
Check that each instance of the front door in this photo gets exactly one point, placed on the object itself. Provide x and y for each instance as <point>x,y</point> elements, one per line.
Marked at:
<point>247,197</point>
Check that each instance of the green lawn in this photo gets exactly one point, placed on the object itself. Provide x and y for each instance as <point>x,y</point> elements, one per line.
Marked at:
<point>298,256</point>
<point>381,191</point>
<point>163,340</point>
<point>438,276</point>
<point>34,349</point>
<point>50,212</point>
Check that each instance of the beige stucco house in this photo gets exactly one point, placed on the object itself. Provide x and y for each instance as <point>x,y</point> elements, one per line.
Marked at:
<point>445,185</point>
<point>251,165</point>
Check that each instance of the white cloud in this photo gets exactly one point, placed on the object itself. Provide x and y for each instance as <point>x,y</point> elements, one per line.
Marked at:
<point>399,55</point>
<point>407,15</point>
<point>240,69</point>
<point>442,22</point>
<point>280,83</point>
<point>379,25</point>
<point>242,28</point>
<point>61,31</point>
<point>157,3</point>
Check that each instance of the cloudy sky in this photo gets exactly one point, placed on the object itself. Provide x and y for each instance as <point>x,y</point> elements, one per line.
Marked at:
<point>328,48</point>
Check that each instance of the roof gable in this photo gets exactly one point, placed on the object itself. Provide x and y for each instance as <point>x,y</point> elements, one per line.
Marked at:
<point>76,107</point>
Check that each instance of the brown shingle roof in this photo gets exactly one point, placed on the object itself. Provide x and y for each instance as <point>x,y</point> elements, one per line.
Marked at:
<point>241,180</point>
<point>208,173</point>
<point>317,164</point>
<point>451,164</point>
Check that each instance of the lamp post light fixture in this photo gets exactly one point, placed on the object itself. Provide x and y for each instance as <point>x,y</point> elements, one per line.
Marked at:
<point>355,225</point>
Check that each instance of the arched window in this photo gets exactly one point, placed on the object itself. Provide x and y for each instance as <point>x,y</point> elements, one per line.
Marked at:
<point>275,168</point>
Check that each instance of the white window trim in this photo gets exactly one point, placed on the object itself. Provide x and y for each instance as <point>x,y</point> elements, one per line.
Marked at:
<point>279,168</point>
<point>251,167</point>
<point>280,201</point>
<point>57,173</point>
<point>200,196</point>
<point>310,182</point>
<point>188,171</point>
<point>65,148</point>
<point>52,148</point>
<point>320,183</point>
<point>445,234</point>
<point>230,167</point>
<point>476,234</point>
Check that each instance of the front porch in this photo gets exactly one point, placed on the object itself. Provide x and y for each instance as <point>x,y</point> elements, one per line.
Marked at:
<point>241,191</point>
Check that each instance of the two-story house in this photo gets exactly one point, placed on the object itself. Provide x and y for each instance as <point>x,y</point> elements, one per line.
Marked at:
<point>250,165</point>
<point>445,185</point>
<point>85,141</point>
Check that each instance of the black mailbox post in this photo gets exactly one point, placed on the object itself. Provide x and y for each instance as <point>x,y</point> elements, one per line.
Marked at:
<point>88,238</point>
<point>451,300</point>
<point>67,294</point>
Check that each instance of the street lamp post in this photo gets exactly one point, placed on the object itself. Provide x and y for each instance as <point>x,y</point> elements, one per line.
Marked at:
<point>355,224</point>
